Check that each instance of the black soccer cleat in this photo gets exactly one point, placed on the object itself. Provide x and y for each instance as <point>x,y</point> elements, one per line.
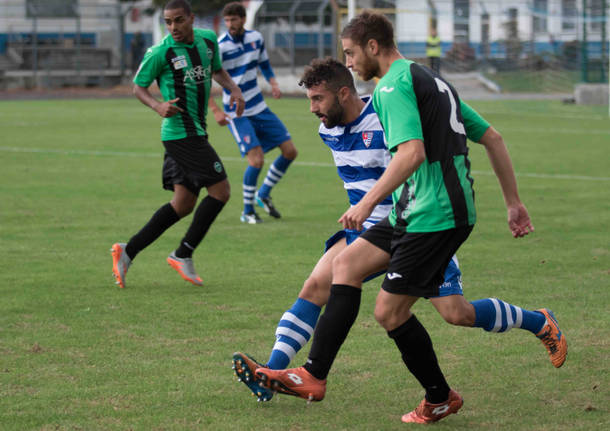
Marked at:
<point>267,205</point>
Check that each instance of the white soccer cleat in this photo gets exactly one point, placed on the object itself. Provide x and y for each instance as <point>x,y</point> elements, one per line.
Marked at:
<point>184,267</point>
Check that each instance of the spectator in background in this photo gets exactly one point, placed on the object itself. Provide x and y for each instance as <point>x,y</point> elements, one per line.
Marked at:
<point>433,50</point>
<point>137,46</point>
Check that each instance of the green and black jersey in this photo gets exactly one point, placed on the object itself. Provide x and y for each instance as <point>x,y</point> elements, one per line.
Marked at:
<point>182,71</point>
<point>414,103</point>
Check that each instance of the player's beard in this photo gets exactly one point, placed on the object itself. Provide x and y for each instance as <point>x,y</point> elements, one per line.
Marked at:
<point>334,115</point>
<point>235,33</point>
<point>369,69</point>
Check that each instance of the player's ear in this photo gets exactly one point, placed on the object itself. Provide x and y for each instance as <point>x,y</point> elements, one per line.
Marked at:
<point>372,46</point>
<point>343,93</point>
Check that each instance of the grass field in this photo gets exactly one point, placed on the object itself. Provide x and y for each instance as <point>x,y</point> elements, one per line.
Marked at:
<point>78,353</point>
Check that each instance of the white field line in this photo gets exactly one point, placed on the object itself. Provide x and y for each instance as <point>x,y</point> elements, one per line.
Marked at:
<point>159,155</point>
<point>554,130</point>
<point>566,115</point>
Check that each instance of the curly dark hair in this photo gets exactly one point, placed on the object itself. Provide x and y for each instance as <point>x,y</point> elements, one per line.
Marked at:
<point>369,25</point>
<point>329,71</point>
<point>234,8</point>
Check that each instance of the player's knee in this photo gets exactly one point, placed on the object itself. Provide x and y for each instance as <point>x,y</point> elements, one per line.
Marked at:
<point>256,162</point>
<point>290,152</point>
<point>183,208</point>
<point>385,317</point>
<point>316,291</point>
<point>220,191</point>
<point>342,264</point>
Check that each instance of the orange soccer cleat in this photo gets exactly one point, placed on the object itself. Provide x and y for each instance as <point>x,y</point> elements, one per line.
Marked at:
<point>426,412</point>
<point>294,381</point>
<point>120,263</point>
<point>553,339</point>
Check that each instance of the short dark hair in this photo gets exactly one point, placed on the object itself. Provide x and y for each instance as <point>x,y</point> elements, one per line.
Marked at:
<point>329,71</point>
<point>179,4</point>
<point>369,25</point>
<point>234,8</point>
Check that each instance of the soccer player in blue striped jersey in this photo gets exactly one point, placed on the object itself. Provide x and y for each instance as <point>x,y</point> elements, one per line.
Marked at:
<point>258,130</point>
<point>352,131</point>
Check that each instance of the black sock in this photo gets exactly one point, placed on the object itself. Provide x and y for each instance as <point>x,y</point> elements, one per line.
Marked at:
<point>204,216</point>
<point>332,328</point>
<point>159,223</point>
<point>418,355</point>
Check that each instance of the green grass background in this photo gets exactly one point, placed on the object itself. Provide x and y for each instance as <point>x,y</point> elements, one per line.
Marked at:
<point>78,353</point>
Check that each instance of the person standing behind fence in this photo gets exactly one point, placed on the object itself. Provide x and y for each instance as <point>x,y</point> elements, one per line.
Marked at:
<point>183,65</point>
<point>259,130</point>
<point>433,50</point>
<point>137,46</point>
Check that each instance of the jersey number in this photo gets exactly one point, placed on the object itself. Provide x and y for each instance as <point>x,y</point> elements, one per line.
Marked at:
<point>455,124</point>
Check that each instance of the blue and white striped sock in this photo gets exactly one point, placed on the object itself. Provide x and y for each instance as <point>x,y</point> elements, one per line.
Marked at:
<point>293,332</point>
<point>249,188</point>
<point>274,174</point>
<point>495,315</point>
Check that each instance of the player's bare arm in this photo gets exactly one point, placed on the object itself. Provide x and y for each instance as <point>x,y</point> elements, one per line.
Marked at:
<point>409,155</point>
<point>220,115</point>
<point>519,221</point>
<point>164,109</point>
<point>275,88</point>
<point>237,98</point>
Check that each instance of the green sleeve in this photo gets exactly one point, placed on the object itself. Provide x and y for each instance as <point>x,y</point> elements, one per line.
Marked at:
<point>475,125</point>
<point>396,105</point>
<point>150,68</point>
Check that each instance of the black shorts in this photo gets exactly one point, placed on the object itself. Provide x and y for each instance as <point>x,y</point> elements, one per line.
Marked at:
<point>417,260</point>
<point>193,163</point>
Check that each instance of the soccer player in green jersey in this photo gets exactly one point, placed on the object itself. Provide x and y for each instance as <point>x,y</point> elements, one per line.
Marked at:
<point>426,126</point>
<point>183,65</point>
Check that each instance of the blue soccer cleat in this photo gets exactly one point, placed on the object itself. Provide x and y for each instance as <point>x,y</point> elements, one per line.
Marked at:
<point>244,367</point>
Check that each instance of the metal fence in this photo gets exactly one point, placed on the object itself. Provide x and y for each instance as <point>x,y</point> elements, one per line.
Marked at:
<point>524,45</point>
<point>66,42</point>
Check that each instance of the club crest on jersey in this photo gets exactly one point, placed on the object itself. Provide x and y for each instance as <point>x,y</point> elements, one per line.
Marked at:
<point>367,138</point>
<point>247,139</point>
<point>179,62</point>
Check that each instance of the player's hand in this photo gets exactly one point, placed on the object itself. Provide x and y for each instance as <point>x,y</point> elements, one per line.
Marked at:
<point>276,92</point>
<point>168,109</point>
<point>355,216</point>
<point>519,221</point>
<point>221,118</point>
<point>237,100</point>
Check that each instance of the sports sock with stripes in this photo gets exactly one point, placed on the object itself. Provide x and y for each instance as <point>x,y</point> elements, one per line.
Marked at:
<point>417,352</point>
<point>249,188</point>
<point>495,315</point>
<point>274,174</point>
<point>332,328</point>
<point>159,223</point>
<point>204,216</point>
<point>293,331</point>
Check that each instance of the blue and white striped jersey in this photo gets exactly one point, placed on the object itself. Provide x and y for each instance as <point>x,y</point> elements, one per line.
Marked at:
<point>361,156</point>
<point>241,56</point>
